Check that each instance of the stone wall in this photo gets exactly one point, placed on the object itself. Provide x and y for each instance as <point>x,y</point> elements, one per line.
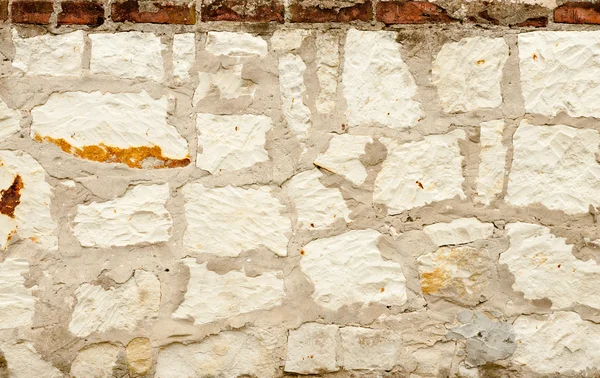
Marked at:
<point>230,188</point>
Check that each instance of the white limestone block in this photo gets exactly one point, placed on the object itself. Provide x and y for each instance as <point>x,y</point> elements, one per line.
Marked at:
<point>468,73</point>
<point>127,55</point>
<point>560,72</point>
<point>544,267</point>
<point>23,361</point>
<point>212,297</point>
<point>328,61</point>
<point>231,142</point>
<point>17,304</point>
<point>373,349</point>
<point>127,128</point>
<point>252,218</point>
<point>555,166</point>
<point>459,231</point>
<point>558,343</point>
<point>343,157</point>
<point>119,308</point>
<point>348,269</point>
<point>235,44</point>
<point>418,173</point>
<point>288,40</point>
<point>10,121</point>
<point>227,80</point>
<point>139,216</point>
<point>184,55</point>
<point>311,349</point>
<point>316,205</point>
<point>24,191</point>
<point>378,86</point>
<point>97,360</point>
<point>490,180</point>
<point>292,90</point>
<point>52,55</point>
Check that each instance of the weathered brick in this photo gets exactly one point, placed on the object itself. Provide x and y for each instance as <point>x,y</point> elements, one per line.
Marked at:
<point>3,10</point>
<point>536,22</point>
<point>238,10</point>
<point>162,13</point>
<point>302,12</point>
<point>31,12</point>
<point>411,12</point>
<point>81,13</point>
<point>578,13</point>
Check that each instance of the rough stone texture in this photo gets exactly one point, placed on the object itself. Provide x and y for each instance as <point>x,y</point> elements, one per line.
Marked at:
<point>328,61</point>
<point>97,360</point>
<point>312,349</point>
<point>23,361</point>
<point>31,12</point>
<point>81,13</point>
<point>236,10</point>
<point>490,180</point>
<point>343,157</point>
<point>459,231</point>
<point>235,44</point>
<point>184,55</point>
<point>292,89</point>
<point>139,356</point>
<point>153,12</point>
<point>18,303</point>
<point>365,348</point>
<point>10,121</point>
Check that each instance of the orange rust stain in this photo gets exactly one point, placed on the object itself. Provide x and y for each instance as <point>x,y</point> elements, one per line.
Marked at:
<point>382,289</point>
<point>420,185</point>
<point>434,281</point>
<point>236,128</point>
<point>312,225</point>
<point>480,61</point>
<point>534,56</point>
<point>11,197</point>
<point>34,239</point>
<point>302,252</point>
<point>133,157</point>
<point>559,265</point>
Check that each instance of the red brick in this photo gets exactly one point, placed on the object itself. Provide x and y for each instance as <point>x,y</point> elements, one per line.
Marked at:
<point>243,10</point>
<point>536,22</point>
<point>411,12</point>
<point>164,13</point>
<point>31,12</point>
<point>578,13</point>
<point>81,13</point>
<point>3,10</point>
<point>312,13</point>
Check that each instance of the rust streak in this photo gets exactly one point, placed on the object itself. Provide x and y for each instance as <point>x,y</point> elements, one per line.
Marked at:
<point>11,197</point>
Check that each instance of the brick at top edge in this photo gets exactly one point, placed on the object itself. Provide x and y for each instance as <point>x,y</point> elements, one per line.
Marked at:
<point>31,12</point>
<point>411,12</point>
<point>578,13</point>
<point>3,10</point>
<point>167,13</point>
<point>81,13</point>
<point>357,12</point>
<point>241,10</point>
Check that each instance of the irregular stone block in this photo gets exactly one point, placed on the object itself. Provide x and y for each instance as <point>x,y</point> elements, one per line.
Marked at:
<point>10,121</point>
<point>490,180</point>
<point>17,304</point>
<point>311,349</point>
<point>227,80</point>
<point>139,356</point>
<point>373,349</point>
<point>23,361</point>
<point>343,157</point>
<point>235,44</point>
<point>288,40</point>
<point>292,90</point>
<point>459,231</point>
<point>328,61</point>
<point>184,55</point>
<point>97,360</point>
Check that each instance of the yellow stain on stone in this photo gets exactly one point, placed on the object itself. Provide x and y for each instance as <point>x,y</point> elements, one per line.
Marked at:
<point>139,356</point>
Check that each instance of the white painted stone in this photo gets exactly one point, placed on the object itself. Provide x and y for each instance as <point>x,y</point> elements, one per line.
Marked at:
<point>560,72</point>
<point>555,166</point>
<point>459,231</point>
<point>252,218</point>
<point>343,157</point>
<point>311,349</point>
<point>127,55</point>
<point>348,269</point>
<point>53,55</point>
<point>328,61</point>
<point>418,173</point>
<point>561,342</point>
<point>9,121</point>
<point>316,205</point>
<point>468,73</point>
<point>120,308</point>
<point>227,80</point>
<point>228,354</point>
<point>17,304</point>
<point>231,142</point>
<point>184,55</point>
<point>35,198</point>
<point>490,180</point>
<point>544,267</point>
<point>292,90</point>
<point>373,349</point>
<point>139,216</point>
<point>24,362</point>
<point>378,86</point>
<point>235,44</point>
<point>288,40</point>
<point>97,360</point>
<point>121,120</point>
<point>212,297</point>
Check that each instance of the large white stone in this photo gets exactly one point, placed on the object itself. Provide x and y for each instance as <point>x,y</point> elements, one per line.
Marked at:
<point>184,55</point>
<point>490,180</point>
<point>459,231</point>
<point>328,61</point>
<point>348,269</point>
<point>235,44</point>
<point>113,127</point>
<point>53,55</point>
<point>378,86</point>
<point>418,173</point>
<point>373,349</point>
<point>139,216</point>
<point>127,55</point>
<point>9,121</point>
<point>560,72</point>
<point>252,218</point>
<point>555,166</point>
<point>288,40</point>
<point>544,267</point>
<point>343,157</point>
<point>227,80</point>
<point>467,73</point>
<point>211,296</point>
<point>24,362</point>
<point>316,205</point>
<point>292,90</point>
<point>96,360</point>
<point>231,142</point>
<point>25,192</point>
<point>557,343</point>
<point>17,304</point>
<point>228,354</point>
<point>311,349</point>
<point>120,308</point>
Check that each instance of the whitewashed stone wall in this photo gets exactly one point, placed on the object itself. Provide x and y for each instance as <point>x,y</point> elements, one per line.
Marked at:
<point>353,201</point>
